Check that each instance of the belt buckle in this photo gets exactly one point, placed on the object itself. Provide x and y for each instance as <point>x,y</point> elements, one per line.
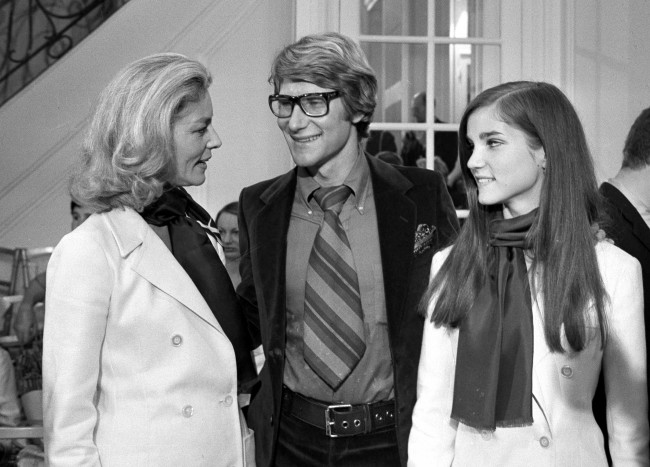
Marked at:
<point>329,419</point>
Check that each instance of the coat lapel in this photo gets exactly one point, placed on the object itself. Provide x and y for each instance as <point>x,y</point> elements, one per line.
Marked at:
<point>151,259</point>
<point>270,232</point>
<point>396,225</point>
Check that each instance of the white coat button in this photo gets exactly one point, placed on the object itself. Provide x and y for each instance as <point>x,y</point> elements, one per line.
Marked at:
<point>177,340</point>
<point>544,442</point>
<point>567,371</point>
<point>486,435</point>
<point>188,411</point>
<point>228,401</point>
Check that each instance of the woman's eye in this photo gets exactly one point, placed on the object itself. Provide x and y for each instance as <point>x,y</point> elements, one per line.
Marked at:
<point>493,143</point>
<point>201,131</point>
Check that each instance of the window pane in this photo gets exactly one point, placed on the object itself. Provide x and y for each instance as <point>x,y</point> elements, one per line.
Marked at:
<point>469,18</point>
<point>401,72</point>
<point>461,71</point>
<point>453,18</point>
<point>393,17</point>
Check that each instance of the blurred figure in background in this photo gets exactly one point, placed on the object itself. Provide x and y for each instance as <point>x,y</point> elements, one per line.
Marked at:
<point>379,141</point>
<point>390,157</point>
<point>228,227</point>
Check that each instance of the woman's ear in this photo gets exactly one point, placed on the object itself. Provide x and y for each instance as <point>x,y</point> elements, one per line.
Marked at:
<point>540,157</point>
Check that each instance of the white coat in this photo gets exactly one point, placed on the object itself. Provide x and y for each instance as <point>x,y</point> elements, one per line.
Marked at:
<point>564,432</point>
<point>136,369</point>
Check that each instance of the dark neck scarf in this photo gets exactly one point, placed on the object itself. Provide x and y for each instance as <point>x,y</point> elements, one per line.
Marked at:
<point>189,226</point>
<point>494,366</point>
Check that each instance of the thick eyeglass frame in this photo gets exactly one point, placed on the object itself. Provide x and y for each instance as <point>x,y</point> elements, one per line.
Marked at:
<point>328,96</point>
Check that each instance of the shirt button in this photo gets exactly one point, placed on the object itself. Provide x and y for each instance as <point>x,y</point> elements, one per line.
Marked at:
<point>228,401</point>
<point>188,411</point>
<point>567,371</point>
<point>177,340</point>
<point>486,435</point>
<point>544,442</point>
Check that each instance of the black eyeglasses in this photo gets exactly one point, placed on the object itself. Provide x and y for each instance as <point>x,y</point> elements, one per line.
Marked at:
<point>313,104</point>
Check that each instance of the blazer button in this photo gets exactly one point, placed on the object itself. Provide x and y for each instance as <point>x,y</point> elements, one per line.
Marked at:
<point>567,371</point>
<point>544,442</point>
<point>228,401</point>
<point>188,411</point>
<point>177,340</point>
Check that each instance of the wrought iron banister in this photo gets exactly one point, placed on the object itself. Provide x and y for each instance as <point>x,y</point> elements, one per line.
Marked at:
<point>36,33</point>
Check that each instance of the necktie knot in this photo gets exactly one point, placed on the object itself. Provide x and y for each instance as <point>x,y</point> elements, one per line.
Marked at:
<point>332,198</point>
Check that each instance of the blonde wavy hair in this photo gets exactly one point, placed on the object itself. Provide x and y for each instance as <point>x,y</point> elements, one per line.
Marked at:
<point>128,154</point>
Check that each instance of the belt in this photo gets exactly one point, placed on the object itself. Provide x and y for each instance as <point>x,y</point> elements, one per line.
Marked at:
<point>339,419</point>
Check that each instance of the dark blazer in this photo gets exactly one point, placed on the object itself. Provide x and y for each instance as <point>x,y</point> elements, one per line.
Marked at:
<point>630,233</point>
<point>405,198</point>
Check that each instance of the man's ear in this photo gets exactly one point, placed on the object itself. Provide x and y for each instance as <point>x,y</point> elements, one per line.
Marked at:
<point>356,118</point>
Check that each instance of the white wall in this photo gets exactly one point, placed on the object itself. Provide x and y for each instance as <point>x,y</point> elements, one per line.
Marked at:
<point>41,128</point>
<point>612,74</point>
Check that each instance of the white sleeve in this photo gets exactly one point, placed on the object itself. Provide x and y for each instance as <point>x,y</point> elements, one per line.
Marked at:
<point>433,434</point>
<point>624,363</point>
<point>78,292</point>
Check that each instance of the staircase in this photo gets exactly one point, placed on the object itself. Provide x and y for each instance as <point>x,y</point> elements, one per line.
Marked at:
<point>42,125</point>
<point>36,33</point>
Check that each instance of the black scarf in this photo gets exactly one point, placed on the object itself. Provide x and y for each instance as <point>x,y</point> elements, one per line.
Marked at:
<point>193,250</point>
<point>493,385</point>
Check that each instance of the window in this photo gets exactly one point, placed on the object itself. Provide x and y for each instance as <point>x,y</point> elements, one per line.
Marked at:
<point>431,58</point>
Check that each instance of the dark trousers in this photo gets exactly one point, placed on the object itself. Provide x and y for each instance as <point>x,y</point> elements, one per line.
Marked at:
<point>301,444</point>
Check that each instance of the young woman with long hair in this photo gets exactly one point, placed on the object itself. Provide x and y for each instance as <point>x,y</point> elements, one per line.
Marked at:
<point>529,302</point>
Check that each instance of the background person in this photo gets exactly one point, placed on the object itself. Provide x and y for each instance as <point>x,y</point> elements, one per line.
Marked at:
<point>227,224</point>
<point>341,229</point>
<point>529,303</point>
<point>627,201</point>
<point>139,367</point>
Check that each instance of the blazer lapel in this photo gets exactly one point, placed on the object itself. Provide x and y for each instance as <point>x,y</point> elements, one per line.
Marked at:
<point>270,245</point>
<point>396,225</point>
<point>150,258</point>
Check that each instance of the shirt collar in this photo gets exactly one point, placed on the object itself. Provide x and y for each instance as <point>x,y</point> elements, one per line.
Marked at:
<point>358,180</point>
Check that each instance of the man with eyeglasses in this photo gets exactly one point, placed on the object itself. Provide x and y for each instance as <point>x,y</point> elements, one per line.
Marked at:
<point>335,257</point>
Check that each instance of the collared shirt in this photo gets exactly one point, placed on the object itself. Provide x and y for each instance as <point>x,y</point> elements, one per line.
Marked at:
<point>372,379</point>
<point>640,206</point>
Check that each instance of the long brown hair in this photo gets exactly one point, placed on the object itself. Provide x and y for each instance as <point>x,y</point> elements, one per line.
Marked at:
<point>562,235</point>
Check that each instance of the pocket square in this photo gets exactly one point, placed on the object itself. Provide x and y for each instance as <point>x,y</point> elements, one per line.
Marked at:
<point>423,238</point>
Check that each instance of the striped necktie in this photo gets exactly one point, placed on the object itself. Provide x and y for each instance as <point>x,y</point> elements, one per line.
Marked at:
<point>333,330</point>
